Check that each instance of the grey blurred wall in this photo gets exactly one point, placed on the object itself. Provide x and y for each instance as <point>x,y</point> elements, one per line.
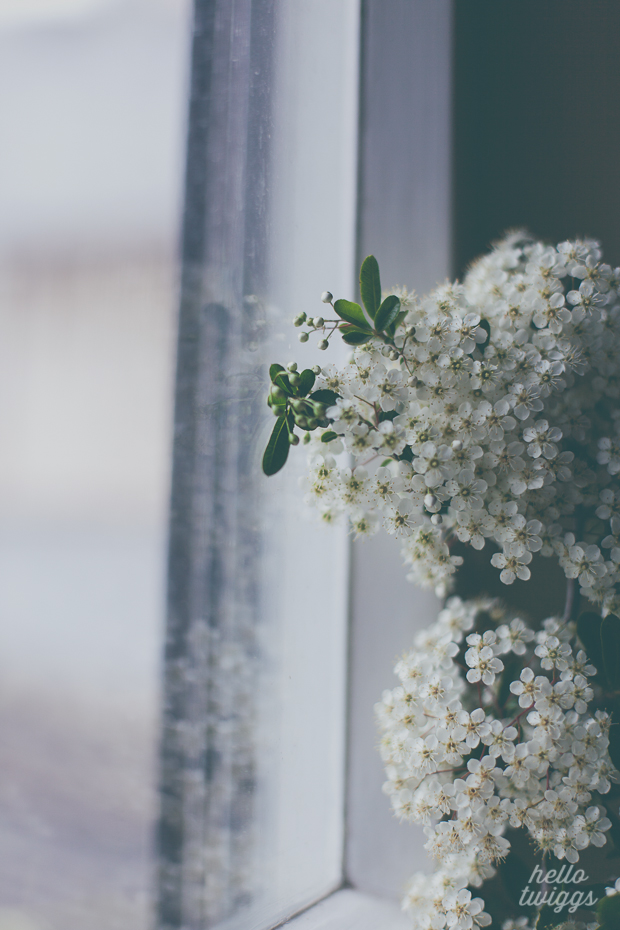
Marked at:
<point>536,122</point>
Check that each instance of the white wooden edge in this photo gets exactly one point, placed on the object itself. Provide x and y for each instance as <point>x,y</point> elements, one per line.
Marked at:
<point>351,910</point>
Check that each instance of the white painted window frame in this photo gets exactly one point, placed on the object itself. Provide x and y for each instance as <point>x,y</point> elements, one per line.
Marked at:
<point>403,216</point>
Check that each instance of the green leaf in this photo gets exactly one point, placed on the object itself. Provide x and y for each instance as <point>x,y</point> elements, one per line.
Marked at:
<point>608,912</point>
<point>329,435</point>
<point>276,452</point>
<point>484,324</point>
<point>279,376</point>
<point>614,746</point>
<point>351,313</point>
<point>370,285</point>
<point>610,641</point>
<point>387,312</point>
<point>325,396</point>
<point>306,382</point>
<point>354,336</point>
<point>589,631</point>
<point>391,329</point>
<point>282,381</point>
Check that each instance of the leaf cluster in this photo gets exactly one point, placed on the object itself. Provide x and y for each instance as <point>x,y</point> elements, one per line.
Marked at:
<point>289,394</point>
<point>381,317</point>
<point>293,404</point>
<point>608,912</point>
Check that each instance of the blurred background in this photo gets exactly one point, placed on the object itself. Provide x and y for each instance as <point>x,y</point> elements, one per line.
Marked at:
<point>92,104</point>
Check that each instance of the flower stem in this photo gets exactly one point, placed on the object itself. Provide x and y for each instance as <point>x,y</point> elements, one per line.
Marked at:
<point>570,597</point>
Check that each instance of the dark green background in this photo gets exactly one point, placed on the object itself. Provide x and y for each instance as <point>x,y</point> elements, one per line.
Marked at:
<point>536,122</point>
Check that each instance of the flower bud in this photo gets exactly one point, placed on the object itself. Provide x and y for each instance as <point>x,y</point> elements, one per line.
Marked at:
<point>457,445</point>
<point>323,344</point>
<point>277,394</point>
<point>300,319</point>
<point>327,297</point>
<point>312,423</point>
<point>436,519</point>
<point>430,501</point>
<point>303,337</point>
<point>292,366</point>
<point>301,422</point>
<point>316,369</point>
<point>294,378</point>
<point>293,439</point>
<point>318,322</point>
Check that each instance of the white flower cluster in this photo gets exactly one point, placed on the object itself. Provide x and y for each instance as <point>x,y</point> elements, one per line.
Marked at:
<point>470,753</point>
<point>490,415</point>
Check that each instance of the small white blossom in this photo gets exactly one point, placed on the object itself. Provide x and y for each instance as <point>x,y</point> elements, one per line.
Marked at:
<point>513,563</point>
<point>514,636</point>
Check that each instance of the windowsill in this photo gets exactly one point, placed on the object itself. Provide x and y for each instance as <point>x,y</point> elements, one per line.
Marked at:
<point>351,910</point>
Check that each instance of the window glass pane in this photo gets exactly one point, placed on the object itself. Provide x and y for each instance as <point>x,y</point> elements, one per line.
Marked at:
<point>253,757</point>
<point>93,108</point>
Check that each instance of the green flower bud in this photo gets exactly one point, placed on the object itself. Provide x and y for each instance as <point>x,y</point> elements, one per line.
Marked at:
<point>316,369</point>
<point>300,319</point>
<point>327,297</point>
<point>293,439</point>
<point>318,322</point>
<point>303,337</point>
<point>292,366</point>
<point>277,394</point>
<point>323,344</point>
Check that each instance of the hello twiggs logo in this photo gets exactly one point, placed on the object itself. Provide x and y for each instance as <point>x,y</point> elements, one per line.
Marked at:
<point>557,897</point>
